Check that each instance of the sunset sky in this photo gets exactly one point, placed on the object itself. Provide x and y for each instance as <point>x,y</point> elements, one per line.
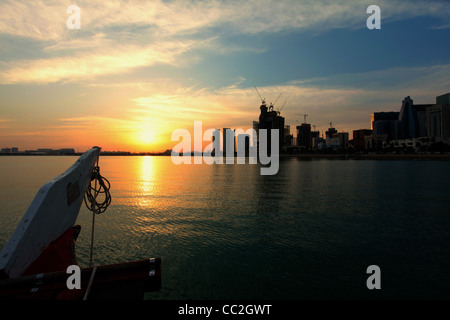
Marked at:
<point>138,70</point>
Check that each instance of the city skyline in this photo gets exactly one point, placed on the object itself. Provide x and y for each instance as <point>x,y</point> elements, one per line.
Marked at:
<point>134,73</point>
<point>430,121</point>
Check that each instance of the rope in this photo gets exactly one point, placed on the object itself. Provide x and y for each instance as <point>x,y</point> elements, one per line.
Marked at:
<point>91,281</point>
<point>93,192</point>
<point>91,196</point>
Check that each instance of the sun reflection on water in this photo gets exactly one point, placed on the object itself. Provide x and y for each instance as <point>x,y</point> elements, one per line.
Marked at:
<point>146,187</point>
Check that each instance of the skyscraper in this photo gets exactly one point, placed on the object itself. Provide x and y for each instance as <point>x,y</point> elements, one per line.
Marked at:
<point>304,136</point>
<point>288,137</point>
<point>386,123</point>
<point>412,119</point>
<point>270,119</point>
<point>438,118</point>
<point>443,99</point>
<point>329,133</point>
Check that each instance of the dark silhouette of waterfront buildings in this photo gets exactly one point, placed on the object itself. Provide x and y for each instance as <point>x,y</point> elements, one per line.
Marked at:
<point>415,127</point>
<point>16,151</point>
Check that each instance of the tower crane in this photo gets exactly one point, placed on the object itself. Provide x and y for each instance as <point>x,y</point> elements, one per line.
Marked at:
<point>279,110</point>
<point>263,100</point>
<point>273,104</point>
<point>304,117</point>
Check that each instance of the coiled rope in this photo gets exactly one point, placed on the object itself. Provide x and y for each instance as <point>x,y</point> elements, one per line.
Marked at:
<point>101,187</point>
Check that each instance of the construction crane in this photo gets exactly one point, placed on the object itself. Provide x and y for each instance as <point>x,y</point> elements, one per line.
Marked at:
<point>273,104</point>
<point>304,117</point>
<point>279,110</point>
<point>263,100</point>
<point>277,99</point>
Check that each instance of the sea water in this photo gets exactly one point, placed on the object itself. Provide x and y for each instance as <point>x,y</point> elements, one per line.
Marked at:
<point>226,232</point>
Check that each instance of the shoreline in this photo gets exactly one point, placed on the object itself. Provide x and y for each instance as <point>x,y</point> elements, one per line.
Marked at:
<point>442,157</point>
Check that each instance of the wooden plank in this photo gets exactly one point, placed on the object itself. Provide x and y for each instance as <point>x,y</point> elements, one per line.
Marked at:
<point>53,211</point>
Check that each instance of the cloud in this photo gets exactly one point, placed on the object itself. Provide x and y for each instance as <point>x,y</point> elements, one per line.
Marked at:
<point>98,40</point>
<point>119,36</point>
<point>423,81</point>
<point>237,107</point>
<point>87,65</point>
<point>440,27</point>
<point>45,20</point>
<point>4,123</point>
<point>156,108</point>
<point>345,100</point>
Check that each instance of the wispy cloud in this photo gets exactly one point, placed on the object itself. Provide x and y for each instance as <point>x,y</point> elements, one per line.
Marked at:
<point>98,40</point>
<point>159,107</point>
<point>440,27</point>
<point>4,123</point>
<point>346,100</point>
<point>90,64</point>
<point>398,77</point>
<point>118,36</point>
<point>45,20</point>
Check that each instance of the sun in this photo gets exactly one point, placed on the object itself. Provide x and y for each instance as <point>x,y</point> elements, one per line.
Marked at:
<point>147,136</point>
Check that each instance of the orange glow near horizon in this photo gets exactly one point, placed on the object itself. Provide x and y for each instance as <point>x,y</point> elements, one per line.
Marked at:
<point>141,116</point>
<point>126,120</point>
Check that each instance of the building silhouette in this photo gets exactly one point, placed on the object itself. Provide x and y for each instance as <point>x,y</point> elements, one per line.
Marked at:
<point>329,133</point>
<point>438,118</point>
<point>288,137</point>
<point>270,119</point>
<point>359,139</point>
<point>304,138</point>
<point>342,138</point>
<point>412,119</point>
<point>386,123</point>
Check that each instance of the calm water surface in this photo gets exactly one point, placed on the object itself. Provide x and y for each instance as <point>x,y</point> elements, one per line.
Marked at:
<point>226,232</point>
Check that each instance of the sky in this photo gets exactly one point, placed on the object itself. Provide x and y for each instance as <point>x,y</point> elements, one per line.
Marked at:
<point>137,70</point>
